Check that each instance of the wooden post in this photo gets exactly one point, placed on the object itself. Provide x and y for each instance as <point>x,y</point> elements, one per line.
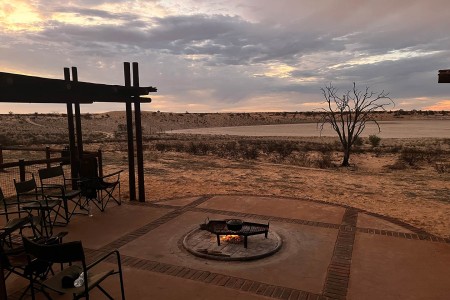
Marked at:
<point>3,294</point>
<point>22,169</point>
<point>1,157</point>
<point>129,112</point>
<point>139,148</point>
<point>100,162</point>
<point>47,156</point>
<point>78,117</point>
<point>73,154</point>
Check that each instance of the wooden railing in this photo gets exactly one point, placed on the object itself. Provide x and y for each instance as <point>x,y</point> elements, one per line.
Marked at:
<point>18,169</point>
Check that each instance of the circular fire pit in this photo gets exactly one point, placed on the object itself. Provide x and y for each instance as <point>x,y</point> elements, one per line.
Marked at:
<point>203,243</point>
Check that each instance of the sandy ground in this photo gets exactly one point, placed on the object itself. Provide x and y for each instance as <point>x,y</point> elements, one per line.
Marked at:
<point>418,196</point>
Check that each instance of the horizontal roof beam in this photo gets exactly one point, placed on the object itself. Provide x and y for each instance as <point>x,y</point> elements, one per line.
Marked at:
<point>30,89</point>
<point>444,76</point>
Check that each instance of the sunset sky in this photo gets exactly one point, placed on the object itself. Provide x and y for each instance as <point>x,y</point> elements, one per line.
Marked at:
<point>242,55</point>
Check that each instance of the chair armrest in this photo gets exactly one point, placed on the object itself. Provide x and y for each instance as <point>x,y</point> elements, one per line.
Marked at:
<point>112,174</point>
<point>71,179</point>
<point>29,194</point>
<point>52,186</point>
<point>91,265</point>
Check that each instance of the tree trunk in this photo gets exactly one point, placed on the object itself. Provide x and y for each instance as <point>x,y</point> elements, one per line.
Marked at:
<point>345,161</point>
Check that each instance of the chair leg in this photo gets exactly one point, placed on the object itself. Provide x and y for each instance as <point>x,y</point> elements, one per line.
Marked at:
<point>104,292</point>
<point>119,264</point>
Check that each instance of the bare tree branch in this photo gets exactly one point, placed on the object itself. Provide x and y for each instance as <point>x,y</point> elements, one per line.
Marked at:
<point>349,114</point>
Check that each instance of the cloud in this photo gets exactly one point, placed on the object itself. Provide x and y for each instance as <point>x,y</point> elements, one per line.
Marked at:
<point>222,55</point>
<point>441,105</point>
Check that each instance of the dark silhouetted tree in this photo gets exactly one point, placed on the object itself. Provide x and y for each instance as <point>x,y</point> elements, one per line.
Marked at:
<point>349,113</point>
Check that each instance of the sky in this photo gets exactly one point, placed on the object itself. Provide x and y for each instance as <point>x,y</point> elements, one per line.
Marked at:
<point>233,56</point>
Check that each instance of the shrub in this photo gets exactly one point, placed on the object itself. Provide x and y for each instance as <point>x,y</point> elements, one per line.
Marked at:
<point>411,156</point>
<point>324,161</point>
<point>442,168</point>
<point>250,152</point>
<point>161,147</point>
<point>358,142</point>
<point>374,140</point>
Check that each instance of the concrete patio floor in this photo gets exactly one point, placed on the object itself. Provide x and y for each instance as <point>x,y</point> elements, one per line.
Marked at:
<point>328,252</point>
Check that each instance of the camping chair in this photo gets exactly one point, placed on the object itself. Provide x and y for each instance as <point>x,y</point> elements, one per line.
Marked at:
<point>53,185</point>
<point>104,186</point>
<point>13,217</point>
<point>31,200</point>
<point>69,253</point>
<point>13,257</point>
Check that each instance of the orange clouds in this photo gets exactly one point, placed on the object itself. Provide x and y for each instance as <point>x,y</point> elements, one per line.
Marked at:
<point>441,105</point>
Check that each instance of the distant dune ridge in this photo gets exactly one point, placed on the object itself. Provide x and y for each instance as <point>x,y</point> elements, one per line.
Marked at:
<point>47,127</point>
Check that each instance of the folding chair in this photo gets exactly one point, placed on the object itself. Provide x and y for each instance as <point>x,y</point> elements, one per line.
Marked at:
<point>53,185</point>
<point>13,257</point>
<point>104,186</point>
<point>69,253</point>
<point>14,217</point>
<point>30,199</point>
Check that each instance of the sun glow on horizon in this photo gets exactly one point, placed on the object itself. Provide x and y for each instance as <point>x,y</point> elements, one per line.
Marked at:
<point>19,16</point>
<point>440,105</point>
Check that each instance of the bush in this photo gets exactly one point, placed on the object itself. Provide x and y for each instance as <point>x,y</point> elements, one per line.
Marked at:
<point>358,142</point>
<point>411,156</point>
<point>442,168</point>
<point>374,140</point>
<point>324,161</point>
<point>250,152</point>
<point>198,148</point>
<point>161,147</point>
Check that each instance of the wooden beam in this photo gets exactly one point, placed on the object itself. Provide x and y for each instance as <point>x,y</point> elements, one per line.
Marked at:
<point>30,89</point>
<point>444,76</point>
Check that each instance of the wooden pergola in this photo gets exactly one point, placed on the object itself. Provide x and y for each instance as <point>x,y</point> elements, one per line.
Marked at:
<point>16,88</point>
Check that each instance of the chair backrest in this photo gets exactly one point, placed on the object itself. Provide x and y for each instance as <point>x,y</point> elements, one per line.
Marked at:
<point>56,253</point>
<point>4,203</point>
<point>88,167</point>
<point>51,172</point>
<point>26,186</point>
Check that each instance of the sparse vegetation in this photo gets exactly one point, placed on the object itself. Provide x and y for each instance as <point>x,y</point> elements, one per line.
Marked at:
<point>374,140</point>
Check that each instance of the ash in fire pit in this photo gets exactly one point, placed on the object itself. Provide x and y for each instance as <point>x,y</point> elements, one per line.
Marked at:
<point>229,240</point>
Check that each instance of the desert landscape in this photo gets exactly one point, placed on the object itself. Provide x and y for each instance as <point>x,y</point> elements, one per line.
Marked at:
<point>406,179</point>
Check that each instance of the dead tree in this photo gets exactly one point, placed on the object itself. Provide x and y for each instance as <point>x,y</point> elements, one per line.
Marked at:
<point>349,114</point>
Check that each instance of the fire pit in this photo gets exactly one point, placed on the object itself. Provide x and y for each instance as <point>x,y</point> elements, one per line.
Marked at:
<point>234,227</point>
<point>231,240</point>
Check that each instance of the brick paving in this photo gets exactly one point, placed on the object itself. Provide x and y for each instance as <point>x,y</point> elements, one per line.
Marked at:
<point>336,279</point>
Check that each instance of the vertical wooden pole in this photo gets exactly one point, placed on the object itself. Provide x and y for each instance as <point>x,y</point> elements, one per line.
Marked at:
<point>47,156</point>
<point>78,117</point>
<point>139,148</point>
<point>129,112</point>
<point>100,162</point>
<point>3,294</point>
<point>73,154</point>
<point>22,170</point>
<point>1,157</point>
